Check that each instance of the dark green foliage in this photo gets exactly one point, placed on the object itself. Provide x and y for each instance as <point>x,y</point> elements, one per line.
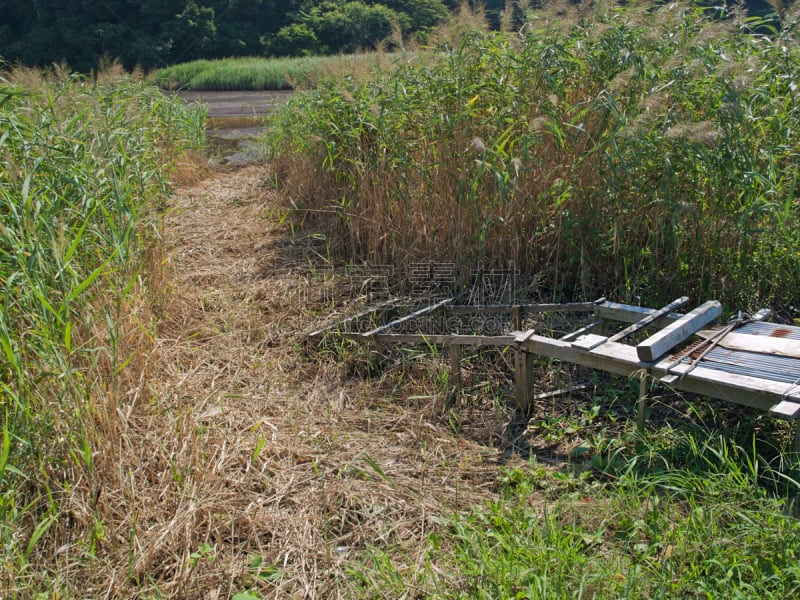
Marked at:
<point>157,33</point>
<point>350,25</point>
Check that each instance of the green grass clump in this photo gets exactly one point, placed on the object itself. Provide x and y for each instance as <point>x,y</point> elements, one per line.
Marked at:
<point>254,73</point>
<point>674,515</point>
<point>646,154</point>
<point>80,162</point>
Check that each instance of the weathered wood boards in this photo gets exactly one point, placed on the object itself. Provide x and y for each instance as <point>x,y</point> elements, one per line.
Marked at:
<point>589,341</point>
<point>673,334</point>
<point>649,319</point>
<point>584,347</point>
<point>755,343</point>
<point>622,359</point>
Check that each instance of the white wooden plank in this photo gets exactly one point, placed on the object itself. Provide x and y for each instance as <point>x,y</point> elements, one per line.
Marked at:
<point>589,341</point>
<point>785,410</point>
<point>521,336</point>
<point>582,331</point>
<point>764,344</point>
<point>673,334</point>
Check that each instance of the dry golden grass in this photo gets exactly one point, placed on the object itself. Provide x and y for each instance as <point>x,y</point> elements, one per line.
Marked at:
<point>229,442</point>
<point>189,168</point>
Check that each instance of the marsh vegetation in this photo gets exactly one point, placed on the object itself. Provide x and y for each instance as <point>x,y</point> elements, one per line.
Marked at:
<point>165,433</point>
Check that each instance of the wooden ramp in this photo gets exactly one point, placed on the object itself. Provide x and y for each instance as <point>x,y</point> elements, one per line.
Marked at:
<point>745,361</point>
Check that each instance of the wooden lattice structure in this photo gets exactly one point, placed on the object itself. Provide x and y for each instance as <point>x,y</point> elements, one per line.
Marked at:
<point>746,361</point>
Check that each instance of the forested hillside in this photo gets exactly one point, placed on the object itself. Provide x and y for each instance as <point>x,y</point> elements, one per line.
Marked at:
<point>155,33</point>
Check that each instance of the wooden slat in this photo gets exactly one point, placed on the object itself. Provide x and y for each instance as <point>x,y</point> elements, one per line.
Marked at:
<point>423,311</point>
<point>367,311</point>
<point>673,334</point>
<point>764,344</point>
<point>583,330</point>
<point>589,341</point>
<point>526,308</point>
<point>455,369</point>
<point>462,340</point>
<point>627,313</point>
<point>785,410</point>
<point>649,319</point>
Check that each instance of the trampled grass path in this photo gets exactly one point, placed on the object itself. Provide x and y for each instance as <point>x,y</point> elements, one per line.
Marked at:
<point>253,465</point>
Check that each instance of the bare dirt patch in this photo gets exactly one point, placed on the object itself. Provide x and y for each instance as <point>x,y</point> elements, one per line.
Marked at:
<point>244,462</point>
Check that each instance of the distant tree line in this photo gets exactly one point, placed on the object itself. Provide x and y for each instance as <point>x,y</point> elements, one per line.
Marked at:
<point>156,33</point>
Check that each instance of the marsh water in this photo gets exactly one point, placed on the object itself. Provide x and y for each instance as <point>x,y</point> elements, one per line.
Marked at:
<point>235,120</point>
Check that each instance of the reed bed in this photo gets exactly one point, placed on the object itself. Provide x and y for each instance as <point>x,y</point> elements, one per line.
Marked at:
<point>255,73</point>
<point>82,163</point>
<point>641,155</point>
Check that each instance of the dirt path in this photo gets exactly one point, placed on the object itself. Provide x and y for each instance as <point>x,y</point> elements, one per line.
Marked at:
<point>254,464</point>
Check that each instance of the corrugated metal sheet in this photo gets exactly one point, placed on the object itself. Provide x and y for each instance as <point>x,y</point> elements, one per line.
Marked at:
<point>754,364</point>
<point>770,329</point>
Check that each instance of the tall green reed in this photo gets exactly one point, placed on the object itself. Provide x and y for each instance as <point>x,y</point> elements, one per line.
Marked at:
<point>640,156</point>
<point>257,73</point>
<point>81,163</point>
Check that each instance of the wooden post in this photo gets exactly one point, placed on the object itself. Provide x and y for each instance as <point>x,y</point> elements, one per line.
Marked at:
<point>517,317</point>
<point>640,413</point>
<point>794,471</point>
<point>524,379</point>
<point>455,370</point>
<point>796,445</point>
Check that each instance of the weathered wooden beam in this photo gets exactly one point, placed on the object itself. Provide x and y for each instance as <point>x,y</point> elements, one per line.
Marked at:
<point>524,308</point>
<point>673,334</point>
<point>649,319</point>
<point>523,377</point>
<point>355,318</point>
<point>444,339</point>
<point>626,313</point>
<point>423,311</point>
<point>641,408</point>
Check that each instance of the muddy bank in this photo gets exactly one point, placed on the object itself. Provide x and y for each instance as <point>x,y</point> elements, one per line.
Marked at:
<point>238,104</point>
<point>235,121</point>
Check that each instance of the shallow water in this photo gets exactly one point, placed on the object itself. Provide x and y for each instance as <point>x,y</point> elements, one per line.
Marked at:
<point>235,120</point>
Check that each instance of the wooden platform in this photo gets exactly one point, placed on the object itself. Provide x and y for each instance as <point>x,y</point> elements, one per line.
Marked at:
<point>746,361</point>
